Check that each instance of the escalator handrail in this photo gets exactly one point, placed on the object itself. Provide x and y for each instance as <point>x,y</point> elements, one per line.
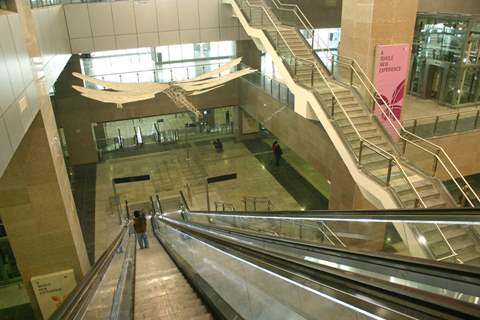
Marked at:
<point>424,299</point>
<point>453,215</point>
<point>78,298</point>
<point>384,259</point>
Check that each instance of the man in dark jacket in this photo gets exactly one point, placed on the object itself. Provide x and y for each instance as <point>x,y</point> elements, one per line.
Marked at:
<point>277,152</point>
<point>140,226</point>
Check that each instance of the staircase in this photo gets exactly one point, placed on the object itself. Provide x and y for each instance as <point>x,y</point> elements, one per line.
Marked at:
<point>364,136</point>
<point>460,246</point>
<point>375,152</point>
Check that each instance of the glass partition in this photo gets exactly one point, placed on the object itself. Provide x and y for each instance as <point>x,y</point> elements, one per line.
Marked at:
<point>444,124</point>
<point>253,292</point>
<point>448,241</point>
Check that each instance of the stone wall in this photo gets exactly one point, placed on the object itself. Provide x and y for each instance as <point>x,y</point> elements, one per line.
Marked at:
<point>310,141</point>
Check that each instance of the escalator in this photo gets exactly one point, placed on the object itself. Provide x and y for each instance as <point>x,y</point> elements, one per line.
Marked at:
<point>242,265</point>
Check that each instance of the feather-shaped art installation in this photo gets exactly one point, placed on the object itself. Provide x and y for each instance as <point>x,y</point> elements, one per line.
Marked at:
<point>178,91</point>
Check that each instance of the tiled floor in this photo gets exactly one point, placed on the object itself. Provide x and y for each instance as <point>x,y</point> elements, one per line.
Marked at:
<point>300,188</point>
<point>415,107</point>
<point>171,172</point>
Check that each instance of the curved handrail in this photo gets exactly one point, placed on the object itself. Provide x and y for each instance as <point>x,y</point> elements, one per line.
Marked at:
<point>304,21</point>
<point>273,23</point>
<point>439,150</point>
<point>314,65</point>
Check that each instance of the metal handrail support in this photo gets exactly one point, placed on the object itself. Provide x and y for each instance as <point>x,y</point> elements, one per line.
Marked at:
<point>454,253</point>
<point>334,234</point>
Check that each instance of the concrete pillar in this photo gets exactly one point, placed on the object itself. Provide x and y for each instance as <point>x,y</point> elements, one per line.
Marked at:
<point>72,114</point>
<point>250,53</point>
<point>36,201</point>
<point>38,210</point>
<point>368,23</point>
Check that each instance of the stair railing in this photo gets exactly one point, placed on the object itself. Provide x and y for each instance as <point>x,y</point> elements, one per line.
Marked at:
<point>437,153</point>
<point>246,7</point>
<point>425,244</point>
<point>305,23</point>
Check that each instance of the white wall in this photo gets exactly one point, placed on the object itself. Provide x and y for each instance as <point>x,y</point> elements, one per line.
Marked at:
<point>52,34</point>
<point>18,94</point>
<point>149,23</point>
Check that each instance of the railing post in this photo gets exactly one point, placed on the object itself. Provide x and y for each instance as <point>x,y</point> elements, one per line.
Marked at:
<point>389,174</point>
<point>295,66</point>
<point>435,163</point>
<point>312,75</point>
<point>476,120</point>
<point>456,122</point>
<point>417,203</point>
<point>404,149</point>
<point>333,107</point>
<point>435,125</point>
<point>333,65</point>
<point>414,129</point>
<point>360,152</point>
<point>160,204</point>
<point>351,74</point>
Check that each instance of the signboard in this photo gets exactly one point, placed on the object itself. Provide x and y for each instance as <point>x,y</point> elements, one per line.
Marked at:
<point>222,178</point>
<point>391,67</point>
<point>51,289</point>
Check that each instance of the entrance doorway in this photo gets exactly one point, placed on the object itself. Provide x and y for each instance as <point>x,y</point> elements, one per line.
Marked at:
<point>434,82</point>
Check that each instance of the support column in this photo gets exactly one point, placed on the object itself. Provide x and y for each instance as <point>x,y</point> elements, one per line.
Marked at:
<point>368,23</point>
<point>36,201</point>
<point>38,210</point>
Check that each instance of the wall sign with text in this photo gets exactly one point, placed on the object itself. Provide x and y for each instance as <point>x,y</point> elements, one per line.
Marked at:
<point>391,68</point>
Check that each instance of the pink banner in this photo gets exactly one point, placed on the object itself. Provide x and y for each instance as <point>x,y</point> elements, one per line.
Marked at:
<point>391,67</point>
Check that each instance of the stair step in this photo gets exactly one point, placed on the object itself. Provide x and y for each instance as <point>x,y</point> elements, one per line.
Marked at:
<point>338,92</point>
<point>435,203</point>
<point>450,233</point>
<point>378,141</point>
<point>424,194</point>
<point>470,257</point>
<point>361,129</point>
<point>353,113</point>
<point>357,121</point>
<point>419,185</point>
<point>369,135</point>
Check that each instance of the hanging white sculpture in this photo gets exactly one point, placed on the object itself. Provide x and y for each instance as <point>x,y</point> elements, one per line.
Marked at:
<point>121,93</point>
